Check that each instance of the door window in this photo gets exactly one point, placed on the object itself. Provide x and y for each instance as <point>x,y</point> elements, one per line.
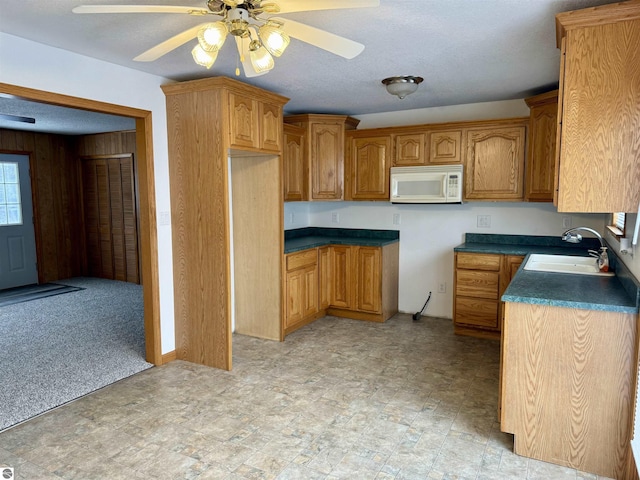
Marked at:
<point>10,205</point>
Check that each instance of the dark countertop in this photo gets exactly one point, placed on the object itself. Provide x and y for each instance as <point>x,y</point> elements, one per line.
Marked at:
<point>620,293</point>
<point>312,237</point>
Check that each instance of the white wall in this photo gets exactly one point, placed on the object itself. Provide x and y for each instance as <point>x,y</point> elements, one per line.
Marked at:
<point>428,234</point>
<point>67,73</point>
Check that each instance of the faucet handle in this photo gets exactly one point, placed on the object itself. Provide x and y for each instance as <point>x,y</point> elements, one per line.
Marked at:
<point>593,253</point>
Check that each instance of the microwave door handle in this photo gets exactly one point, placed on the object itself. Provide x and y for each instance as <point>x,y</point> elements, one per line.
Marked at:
<point>444,185</point>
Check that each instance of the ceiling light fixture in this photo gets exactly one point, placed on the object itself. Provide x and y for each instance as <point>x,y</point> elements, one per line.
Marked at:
<point>268,40</point>
<point>402,86</point>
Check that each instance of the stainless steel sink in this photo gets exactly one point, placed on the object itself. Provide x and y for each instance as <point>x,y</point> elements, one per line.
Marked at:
<point>565,264</point>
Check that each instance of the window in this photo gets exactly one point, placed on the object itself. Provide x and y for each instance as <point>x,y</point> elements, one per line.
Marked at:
<point>10,206</point>
<point>616,225</point>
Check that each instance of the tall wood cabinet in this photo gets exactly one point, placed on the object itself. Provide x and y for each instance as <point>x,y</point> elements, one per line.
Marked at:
<point>541,149</point>
<point>598,163</point>
<point>324,153</point>
<point>219,128</point>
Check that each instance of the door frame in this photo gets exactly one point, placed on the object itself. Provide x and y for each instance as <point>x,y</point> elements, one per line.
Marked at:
<point>144,169</point>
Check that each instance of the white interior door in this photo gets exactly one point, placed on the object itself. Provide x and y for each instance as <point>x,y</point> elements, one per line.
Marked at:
<point>17,235</point>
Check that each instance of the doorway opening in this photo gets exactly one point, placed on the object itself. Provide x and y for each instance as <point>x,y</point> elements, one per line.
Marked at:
<point>144,170</point>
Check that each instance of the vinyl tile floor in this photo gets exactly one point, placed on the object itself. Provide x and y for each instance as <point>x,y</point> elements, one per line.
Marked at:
<point>338,399</point>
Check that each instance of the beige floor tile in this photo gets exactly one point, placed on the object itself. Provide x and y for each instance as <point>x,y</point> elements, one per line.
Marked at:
<point>338,399</point>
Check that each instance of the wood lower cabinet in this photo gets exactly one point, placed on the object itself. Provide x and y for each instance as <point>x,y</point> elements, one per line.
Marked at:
<point>568,381</point>
<point>364,282</point>
<point>479,281</point>
<point>301,289</point>
<point>343,280</point>
<point>495,162</point>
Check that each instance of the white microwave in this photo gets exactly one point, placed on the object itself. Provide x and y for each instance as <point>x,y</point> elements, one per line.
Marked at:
<point>428,184</point>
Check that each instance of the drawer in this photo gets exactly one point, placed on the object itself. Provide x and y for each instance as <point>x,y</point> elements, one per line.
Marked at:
<point>478,261</point>
<point>302,259</point>
<point>477,312</point>
<point>470,283</point>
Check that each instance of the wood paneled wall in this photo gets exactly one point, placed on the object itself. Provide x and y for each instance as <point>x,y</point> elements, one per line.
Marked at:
<point>57,217</point>
<point>56,192</point>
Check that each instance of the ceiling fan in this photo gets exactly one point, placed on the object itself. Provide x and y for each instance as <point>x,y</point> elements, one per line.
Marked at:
<point>259,36</point>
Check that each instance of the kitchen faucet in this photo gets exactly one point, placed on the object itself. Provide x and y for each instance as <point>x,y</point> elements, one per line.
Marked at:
<point>602,256</point>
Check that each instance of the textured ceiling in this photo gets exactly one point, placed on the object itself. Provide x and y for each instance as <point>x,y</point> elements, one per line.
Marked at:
<point>468,51</point>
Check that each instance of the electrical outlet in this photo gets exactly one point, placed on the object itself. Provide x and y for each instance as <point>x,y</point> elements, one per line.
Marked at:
<point>396,219</point>
<point>442,287</point>
<point>292,217</point>
<point>335,217</point>
<point>484,221</point>
<point>566,222</point>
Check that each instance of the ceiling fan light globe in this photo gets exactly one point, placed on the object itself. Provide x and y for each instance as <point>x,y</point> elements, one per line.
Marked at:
<point>202,57</point>
<point>274,39</point>
<point>261,59</point>
<point>212,36</point>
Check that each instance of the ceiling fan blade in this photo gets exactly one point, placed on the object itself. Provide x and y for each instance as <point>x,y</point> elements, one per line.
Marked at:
<point>322,39</point>
<point>139,9</point>
<point>171,44</point>
<point>290,6</point>
<point>243,53</point>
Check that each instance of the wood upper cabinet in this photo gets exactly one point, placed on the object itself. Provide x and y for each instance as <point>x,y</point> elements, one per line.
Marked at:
<point>294,165</point>
<point>445,147</point>
<point>543,118</point>
<point>495,162</point>
<point>324,137</point>
<point>254,124</point>
<point>428,147</point>
<point>367,167</point>
<point>599,120</point>
<point>410,149</point>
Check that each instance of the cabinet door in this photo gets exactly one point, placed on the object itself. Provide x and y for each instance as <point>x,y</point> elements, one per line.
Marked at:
<point>342,276</point>
<point>327,160</point>
<point>369,281</point>
<point>445,147</point>
<point>295,297</point>
<point>244,124</point>
<point>495,163</point>
<point>270,127</point>
<point>471,283</point>
<point>477,312</point>
<point>294,164</point>
<point>369,168</point>
<point>324,277</point>
<point>539,178</point>
<point>410,149</point>
<point>310,306</point>
<point>599,169</point>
